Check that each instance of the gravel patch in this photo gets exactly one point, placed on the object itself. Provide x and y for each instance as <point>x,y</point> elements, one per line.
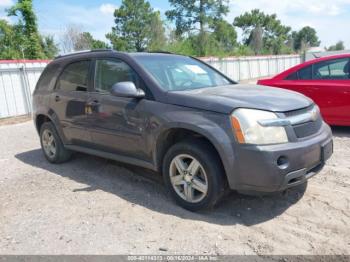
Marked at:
<point>96,206</point>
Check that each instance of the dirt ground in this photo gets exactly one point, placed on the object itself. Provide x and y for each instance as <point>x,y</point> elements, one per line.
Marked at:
<point>14,120</point>
<point>96,206</point>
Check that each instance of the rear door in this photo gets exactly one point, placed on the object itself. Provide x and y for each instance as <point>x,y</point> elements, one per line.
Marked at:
<point>69,101</point>
<point>332,89</point>
<point>328,84</point>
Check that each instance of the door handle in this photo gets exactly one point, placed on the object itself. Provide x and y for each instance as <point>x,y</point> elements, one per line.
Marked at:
<point>57,98</point>
<point>93,103</point>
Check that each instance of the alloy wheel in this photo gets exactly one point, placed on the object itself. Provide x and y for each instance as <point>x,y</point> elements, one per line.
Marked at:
<point>188,178</point>
<point>49,143</point>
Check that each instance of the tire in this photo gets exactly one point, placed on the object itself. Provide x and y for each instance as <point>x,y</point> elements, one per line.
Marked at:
<point>60,154</point>
<point>209,172</point>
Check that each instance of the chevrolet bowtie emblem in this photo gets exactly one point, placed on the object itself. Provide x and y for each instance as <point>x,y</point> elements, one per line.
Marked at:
<point>314,114</point>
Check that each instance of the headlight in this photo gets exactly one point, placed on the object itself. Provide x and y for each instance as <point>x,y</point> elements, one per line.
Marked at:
<point>248,130</point>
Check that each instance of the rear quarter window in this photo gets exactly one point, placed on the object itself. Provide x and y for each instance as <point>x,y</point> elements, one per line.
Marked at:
<point>293,76</point>
<point>305,73</point>
<point>46,80</point>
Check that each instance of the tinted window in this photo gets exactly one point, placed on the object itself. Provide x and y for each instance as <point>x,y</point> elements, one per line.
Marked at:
<point>334,69</point>
<point>177,73</point>
<point>305,73</point>
<point>46,78</point>
<point>293,76</point>
<point>75,77</point>
<point>110,72</point>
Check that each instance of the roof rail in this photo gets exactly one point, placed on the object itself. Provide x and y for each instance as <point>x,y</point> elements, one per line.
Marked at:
<point>102,50</point>
<point>162,52</point>
<point>83,52</point>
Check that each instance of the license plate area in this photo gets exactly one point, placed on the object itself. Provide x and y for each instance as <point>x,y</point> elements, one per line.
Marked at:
<point>327,151</point>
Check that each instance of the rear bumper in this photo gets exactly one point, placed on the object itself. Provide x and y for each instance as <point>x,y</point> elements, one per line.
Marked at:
<point>274,168</point>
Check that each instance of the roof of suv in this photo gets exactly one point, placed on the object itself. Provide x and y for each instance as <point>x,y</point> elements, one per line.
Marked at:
<point>86,52</point>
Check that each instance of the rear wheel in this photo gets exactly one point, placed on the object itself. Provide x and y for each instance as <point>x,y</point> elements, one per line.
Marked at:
<point>194,175</point>
<point>52,146</point>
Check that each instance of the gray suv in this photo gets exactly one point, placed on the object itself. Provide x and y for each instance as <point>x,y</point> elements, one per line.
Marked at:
<point>176,115</point>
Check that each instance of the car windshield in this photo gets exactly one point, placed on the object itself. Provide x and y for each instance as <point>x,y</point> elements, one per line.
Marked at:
<point>179,73</point>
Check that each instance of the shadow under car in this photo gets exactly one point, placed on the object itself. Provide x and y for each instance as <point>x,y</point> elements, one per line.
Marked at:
<point>145,188</point>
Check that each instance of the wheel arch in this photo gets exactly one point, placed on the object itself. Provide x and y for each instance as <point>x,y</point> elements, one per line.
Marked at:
<point>40,119</point>
<point>175,134</point>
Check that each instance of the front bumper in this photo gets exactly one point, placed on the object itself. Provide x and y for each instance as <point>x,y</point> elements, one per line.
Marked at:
<point>274,168</point>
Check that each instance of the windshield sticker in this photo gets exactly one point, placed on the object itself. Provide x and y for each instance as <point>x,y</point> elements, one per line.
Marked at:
<point>195,69</point>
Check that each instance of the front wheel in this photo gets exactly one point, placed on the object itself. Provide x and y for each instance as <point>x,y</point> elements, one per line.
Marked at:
<point>194,175</point>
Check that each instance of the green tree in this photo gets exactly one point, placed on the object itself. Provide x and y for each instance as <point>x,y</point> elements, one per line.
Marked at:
<point>92,43</point>
<point>225,35</point>
<point>22,39</point>
<point>132,28</point>
<point>189,14</point>
<point>23,9</point>
<point>180,45</point>
<point>157,36</point>
<point>256,40</point>
<point>197,16</point>
<point>243,50</point>
<point>274,34</point>
<point>49,47</point>
<point>337,47</point>
<point>305,38</point>
<point>10,41</point>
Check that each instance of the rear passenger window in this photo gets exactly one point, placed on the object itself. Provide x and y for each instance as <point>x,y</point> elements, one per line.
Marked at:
<point>337,69</point>
<point>74,77</point>
<point>305,73</point>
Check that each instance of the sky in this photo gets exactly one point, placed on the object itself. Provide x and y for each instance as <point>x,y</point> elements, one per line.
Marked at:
<point>330,18</point>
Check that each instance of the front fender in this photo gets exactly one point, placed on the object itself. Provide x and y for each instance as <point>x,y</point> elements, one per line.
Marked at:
<point>215,127</point>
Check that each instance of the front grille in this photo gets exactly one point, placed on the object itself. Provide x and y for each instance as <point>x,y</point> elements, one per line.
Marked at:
<point>305,129</point>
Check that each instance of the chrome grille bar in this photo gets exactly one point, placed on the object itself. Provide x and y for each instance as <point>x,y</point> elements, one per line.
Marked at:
<point>310,116</point>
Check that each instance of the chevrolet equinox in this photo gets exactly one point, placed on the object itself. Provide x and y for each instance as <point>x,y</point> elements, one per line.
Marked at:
<point>176,115</point>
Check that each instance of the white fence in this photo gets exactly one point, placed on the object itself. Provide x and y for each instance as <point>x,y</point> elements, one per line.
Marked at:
<point>17,83</point>
<point>251,67</point>
<point>18,78</point>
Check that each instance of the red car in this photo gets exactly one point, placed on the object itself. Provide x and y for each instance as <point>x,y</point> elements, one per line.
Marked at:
<point>325,80</point>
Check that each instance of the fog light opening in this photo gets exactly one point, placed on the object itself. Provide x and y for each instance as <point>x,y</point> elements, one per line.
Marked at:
<point>294,180</point>
<point>282,162</point>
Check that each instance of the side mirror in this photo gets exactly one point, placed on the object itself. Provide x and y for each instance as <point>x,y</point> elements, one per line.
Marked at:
<point>127,89</point>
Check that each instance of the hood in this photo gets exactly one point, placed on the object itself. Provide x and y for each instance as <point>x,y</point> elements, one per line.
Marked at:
<point>224,99</point>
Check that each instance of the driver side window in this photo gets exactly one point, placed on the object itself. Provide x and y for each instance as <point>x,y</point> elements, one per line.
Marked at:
<point>110,72</point>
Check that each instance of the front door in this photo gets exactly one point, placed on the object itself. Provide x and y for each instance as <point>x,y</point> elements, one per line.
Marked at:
<point>117,123</point>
